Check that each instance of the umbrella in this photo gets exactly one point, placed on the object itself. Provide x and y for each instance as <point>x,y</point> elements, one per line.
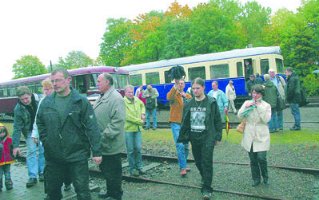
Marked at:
<point>227,123</point>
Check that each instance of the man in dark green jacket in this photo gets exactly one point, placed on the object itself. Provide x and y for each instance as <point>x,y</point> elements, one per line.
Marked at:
<point>293,96</point>
<point>68,130</point>
<point>270,97</point>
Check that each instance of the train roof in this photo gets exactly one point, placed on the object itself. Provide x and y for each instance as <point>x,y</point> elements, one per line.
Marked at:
<point>78,71</point>
<point>236,53</point>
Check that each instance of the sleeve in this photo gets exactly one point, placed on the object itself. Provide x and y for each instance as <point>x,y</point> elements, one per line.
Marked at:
<point>130,117</point>
<point>155,93</point>
<point>41,125</point>
<point>225,100</point>
<point>240,114</point>
<point>264,112</point>
<point>171,94</point>
<point>227,91</point>
<point>210,93</point>
<point>17,127</point>
<point>89,122</point>
<point>114,128</point>
<point>217,122</point>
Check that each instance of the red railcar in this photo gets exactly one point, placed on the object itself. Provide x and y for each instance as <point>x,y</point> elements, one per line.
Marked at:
<point>83,79</point>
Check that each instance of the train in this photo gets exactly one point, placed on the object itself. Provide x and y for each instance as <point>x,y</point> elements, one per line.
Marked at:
<point>83,79</point>
<point>236,65</point>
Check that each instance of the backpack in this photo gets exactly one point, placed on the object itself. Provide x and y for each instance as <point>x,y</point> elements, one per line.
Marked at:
<point>150,103</point>
<point>303,96</point>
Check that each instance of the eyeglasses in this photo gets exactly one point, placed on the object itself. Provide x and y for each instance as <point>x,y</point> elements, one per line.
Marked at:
<point>57,81</point>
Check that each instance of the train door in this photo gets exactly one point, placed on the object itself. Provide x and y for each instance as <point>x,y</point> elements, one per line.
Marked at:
<point>249,70</point>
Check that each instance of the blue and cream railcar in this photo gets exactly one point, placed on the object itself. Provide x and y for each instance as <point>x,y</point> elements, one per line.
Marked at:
<point>236,65</point>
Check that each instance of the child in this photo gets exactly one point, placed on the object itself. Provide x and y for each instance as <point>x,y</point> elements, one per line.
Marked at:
<point>6,157</point>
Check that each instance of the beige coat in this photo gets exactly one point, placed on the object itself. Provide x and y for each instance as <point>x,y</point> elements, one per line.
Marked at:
<point>110,114</point>
<point>256,131</point>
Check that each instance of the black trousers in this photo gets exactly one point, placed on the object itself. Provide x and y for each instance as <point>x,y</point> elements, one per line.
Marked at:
<point>203,155</point>
<point>258,165</point>
<point>55,176</point>
<point>111,168</point>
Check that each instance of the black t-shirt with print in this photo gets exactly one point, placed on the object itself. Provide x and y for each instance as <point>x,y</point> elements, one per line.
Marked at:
<point>198,114</point>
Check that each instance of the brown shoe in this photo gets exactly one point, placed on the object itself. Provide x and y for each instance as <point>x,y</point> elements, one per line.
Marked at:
<point>183,172</point>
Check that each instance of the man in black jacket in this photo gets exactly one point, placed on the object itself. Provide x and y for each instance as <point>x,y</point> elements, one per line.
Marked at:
<point>293,96</point>
<point>68,130</point>
<point>202,126</point>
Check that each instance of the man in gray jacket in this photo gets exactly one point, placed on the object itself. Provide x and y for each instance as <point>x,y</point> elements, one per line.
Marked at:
<point>109,109</point>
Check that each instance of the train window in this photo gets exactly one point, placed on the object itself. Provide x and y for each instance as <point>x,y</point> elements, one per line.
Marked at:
<point>121,80</point>
<point>5,92</point>
<point>38,88</point>
<point>92,83</point>
<point>167,77</point>
<point>152,78</point>
<point>11,91</point>
<point>264,66</point>
<point>136,79</point>
<point>279,65</point>
<point>239,66</point>
<point>195,72</point>
<point>80,83</point>
<point>1,93</point>
<point>219,71</point>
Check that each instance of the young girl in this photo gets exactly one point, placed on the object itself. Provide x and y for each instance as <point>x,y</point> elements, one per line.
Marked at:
<point>6,157</point>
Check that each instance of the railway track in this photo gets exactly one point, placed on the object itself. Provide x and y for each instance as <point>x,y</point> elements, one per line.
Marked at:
<point>155,161</point>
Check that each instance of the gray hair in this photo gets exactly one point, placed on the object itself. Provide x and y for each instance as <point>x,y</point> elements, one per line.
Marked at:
<point>108,77</point>
<point>266,77</point>
<point>22,90</point>
<point>128,87</point>
<point>61,70</point>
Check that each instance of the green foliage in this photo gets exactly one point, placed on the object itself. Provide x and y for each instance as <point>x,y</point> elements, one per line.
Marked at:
<point>28,66</point>
<point>74,59</point>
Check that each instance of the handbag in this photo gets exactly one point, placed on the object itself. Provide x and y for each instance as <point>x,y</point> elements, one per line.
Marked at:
<point>241,127</point>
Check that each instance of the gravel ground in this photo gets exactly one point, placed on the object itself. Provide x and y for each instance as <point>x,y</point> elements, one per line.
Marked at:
<point>283,183</point>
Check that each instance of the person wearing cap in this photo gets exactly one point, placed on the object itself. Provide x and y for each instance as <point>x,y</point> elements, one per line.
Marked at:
<point>6,158</point>
<point>231,96</point>
<point>250,83</point>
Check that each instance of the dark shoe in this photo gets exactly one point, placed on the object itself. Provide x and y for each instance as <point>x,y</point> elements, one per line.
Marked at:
<point>103,195</point>
<point>207,195</point>
<point>141,172</point>
<point>295,128</point>
<point>266,181</point>
<point>41,178</point>
<point>146,128</point>
<point>67,188</point>
<point>135,172</point>
<point>31,182</point>
<point>188,169</point>
<point>255,183</point>
<point>153,129</point>
<point>9,184</point>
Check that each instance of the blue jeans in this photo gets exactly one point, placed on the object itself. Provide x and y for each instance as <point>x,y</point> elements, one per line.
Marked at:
<point>134,148</point>
<point>296,114</point>
<point>280,119</point>
<point>181,149</point>
<point>273,120</point>
<point>5,170</point>
<point>148,116</point>
<point>35,162</point>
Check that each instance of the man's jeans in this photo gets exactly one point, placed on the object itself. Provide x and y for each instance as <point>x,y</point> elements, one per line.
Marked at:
<point>273,121</point>
<point>296,113</point>
<point>148,116</point>
<point>134,147</point>
<point>35,161</point>
<point>181,149</point>
<point>280,119</point>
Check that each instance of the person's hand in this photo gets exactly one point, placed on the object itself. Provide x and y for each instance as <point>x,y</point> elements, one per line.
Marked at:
<point>35,140</point>
<point>250,103</point>
<point>16,151</point>
<point>143,117</point>
<point>226,110</point>
<point>97,160</point>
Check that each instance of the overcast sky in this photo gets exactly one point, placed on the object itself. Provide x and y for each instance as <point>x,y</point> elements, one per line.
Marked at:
<point>50,29</point>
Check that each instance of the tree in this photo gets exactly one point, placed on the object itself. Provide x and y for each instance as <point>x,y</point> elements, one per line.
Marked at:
<point>28,66</point>
<point>75,59</point>
<point>117,42</point>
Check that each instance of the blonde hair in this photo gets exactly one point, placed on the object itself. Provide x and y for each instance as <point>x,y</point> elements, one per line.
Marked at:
<point>266,77</point>
<point>47,83</point>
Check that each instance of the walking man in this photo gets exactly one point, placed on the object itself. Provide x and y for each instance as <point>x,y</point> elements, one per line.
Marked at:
<point>24,116</point>
<point>151,95</point>
<point>176,97</point>
<point>110,112</point>
<point>293,96</point>
<point>202,126</point>
<point>221,99</point>
<point>67,129</point>
<point>135,116</point>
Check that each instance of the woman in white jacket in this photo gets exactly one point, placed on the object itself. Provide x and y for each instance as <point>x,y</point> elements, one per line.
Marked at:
<point>231,96</point>
<point>256,137</point>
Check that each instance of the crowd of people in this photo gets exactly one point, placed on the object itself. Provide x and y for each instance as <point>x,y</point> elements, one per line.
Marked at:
<point>63,130</point>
